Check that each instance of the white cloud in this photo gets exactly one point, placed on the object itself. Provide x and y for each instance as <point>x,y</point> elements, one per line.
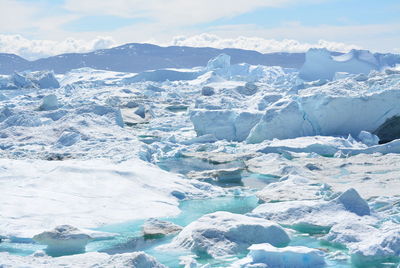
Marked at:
<point>174,12</point>
<point>258,44</point>
<point>33,49</point>
<point>375,37</point>
<point>9,20</point>
<point>165,19</point>
<point>30,17</point>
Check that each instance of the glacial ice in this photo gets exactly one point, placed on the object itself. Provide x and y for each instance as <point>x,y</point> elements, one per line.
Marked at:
<point>365,242</point>
<point>220,63</point>
<point>40,79</point>
<point>320,64</point>
<point>63,240</point>
<point>300,146</point>
<point>305,214</point>
<point>368,138</point>
<point>128,190</point>
<point>49,102</point>
<point>87,260</point>
<point>224,233</point>
<point>287,257</point>
<point>154,228</point>
<point>224,124</point>
<point>293,187</point>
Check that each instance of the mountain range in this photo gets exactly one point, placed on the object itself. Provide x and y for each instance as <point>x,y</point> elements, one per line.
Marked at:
<point>137,57</point>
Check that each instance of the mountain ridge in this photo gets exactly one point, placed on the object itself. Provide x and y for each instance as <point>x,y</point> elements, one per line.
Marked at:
<point>139,57</point>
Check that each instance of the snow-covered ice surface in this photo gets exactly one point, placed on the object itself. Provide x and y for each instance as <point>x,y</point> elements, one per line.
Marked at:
<point>101,152</point>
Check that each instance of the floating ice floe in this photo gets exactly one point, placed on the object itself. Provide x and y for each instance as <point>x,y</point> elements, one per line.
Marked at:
<point>266,255</point>
<point>66,240</point>
<point>314,215</point>
<point>367,243</point>
<point>223,233</point>
<point>294,187</point>
<point>154,228</point>
<point>87,260</point>
<point>62,192</point>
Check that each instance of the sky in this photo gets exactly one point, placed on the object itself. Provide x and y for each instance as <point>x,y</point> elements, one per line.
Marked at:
<point>39,28</point>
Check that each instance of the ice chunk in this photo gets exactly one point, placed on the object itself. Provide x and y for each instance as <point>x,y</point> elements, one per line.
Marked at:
<point>353,202</point>
<point>320,64</point>
<point>224,124</point>
<point>63,240</point>
<point>68,138</point>
<point>293,187</point>
<point>282,121</point>
<point>154,228</point>
<point>164,75</point>
<point>23,119</point>
<point>141,111</point>
<point>5,112</point>
<point>248,89</point>
<point>41,79</point>
<point>222,61</point>
<point>135,259</point>
<point>45,79</point>
<point>287,257</point>
<point>316,215</point>
<point>320,114</point>
<point>87,260</point>
<point>49,102</point>
<point>218,123</point>
<point>208,138</point>
<point>114,114</point>
<point>229,175</point>
<point>367,243</point>
<point>207,91</point>
<point>21,81</point>
<point>223,233</point>
<point>131,104</point>
<point>368,138</point>
<point>348,232</point>
<point>377,247</point>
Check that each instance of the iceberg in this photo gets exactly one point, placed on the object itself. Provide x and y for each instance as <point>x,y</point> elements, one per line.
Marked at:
<point>287,257</point>
<point>317,214</point>
<point>87,260</point>
<point>63,240</point>
<point>49,102</point>
<point>223,233</point>
<point>320,64</point>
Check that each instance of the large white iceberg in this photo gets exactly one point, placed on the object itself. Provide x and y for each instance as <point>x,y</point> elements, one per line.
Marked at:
<point>63,240</point>
<point>223,233</point>
<point>312,215</point>
<point>326,115</point>
<point>320,64</point>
